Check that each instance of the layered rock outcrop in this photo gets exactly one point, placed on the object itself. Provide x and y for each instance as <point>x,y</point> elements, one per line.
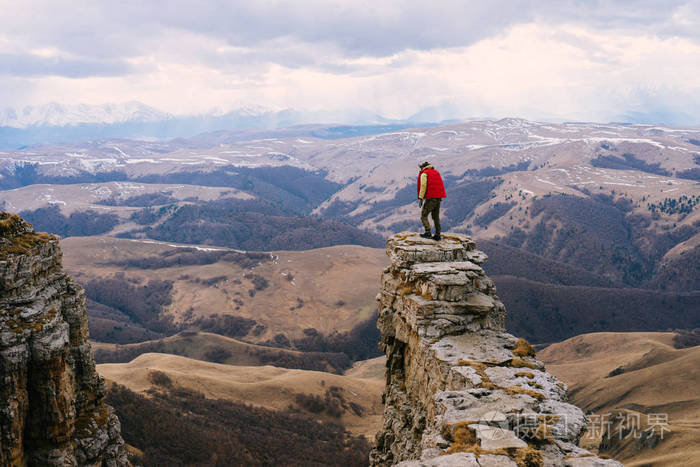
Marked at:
<point>52,409</point>
<point>459,389</point>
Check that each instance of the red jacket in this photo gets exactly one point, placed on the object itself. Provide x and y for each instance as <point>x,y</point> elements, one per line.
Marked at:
<point>434,187</point>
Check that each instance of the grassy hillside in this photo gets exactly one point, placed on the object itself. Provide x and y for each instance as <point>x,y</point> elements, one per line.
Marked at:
<point>296,294</point>
<point>601,234</point>
<point>629,376</point>
<point>298,300</point>
<point>220,349</point>
<point>356,404</point>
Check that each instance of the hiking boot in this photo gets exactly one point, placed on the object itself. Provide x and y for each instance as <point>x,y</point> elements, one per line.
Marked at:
<point>426,235</point>
<point>436,236</point>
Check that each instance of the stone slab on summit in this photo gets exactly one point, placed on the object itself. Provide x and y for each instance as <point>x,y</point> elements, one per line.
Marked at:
<point>459,389</point>
<point>52,409</point>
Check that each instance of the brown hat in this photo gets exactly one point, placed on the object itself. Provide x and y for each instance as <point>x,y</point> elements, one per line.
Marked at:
<point>424,164</point>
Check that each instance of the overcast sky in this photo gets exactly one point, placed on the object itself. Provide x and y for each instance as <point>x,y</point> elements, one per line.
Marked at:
<point>540,59</point>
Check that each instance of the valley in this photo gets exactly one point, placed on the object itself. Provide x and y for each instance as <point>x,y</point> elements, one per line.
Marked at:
<point>627,192</point>
<point>354,402</point>
<point>241,270</point>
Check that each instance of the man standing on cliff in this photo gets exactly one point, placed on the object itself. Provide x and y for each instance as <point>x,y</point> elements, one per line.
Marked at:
<point>431,191</point>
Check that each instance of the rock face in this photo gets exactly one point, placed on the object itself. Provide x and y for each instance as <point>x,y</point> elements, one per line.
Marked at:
<point>459,389</point>
<point>52,409</point>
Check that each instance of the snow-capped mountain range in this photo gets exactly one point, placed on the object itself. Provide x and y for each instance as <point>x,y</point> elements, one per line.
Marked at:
<point>55,114</point>
<point>58,115</point>
<point>55,123</point>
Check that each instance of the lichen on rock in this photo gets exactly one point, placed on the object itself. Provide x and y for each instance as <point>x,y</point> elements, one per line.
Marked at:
<point>459,389</point>
<point>52,409</point>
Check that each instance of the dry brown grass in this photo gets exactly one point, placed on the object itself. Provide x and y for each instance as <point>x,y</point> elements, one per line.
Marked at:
<point>518,390</point>
<point>523,348</point>
<point>527,457</point>
<point>525,374</point>
<point>520,363</point>
<point>463,438</point>
<point>523,457</point>
<point>10,224</point>
<point>544,432</point>
<point>23,244</point>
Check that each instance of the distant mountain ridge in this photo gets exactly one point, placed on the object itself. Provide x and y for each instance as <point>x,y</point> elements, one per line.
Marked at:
<point>54,122</point>
<point>57,115</point>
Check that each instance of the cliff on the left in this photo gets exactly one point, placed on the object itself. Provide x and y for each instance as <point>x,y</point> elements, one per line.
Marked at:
<point>52,407</point>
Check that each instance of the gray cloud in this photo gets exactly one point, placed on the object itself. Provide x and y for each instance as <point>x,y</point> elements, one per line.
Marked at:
<point>108,29</point>
<point>268,51</point>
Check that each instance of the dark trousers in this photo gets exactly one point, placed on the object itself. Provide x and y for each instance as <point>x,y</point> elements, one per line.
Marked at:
<point>431,207</point>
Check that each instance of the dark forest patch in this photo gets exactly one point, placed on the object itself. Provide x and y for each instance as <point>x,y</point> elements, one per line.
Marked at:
<point>142,303</point>
<point>686,338</point>
<point>107,324</point>
<point>77,224</point>
<point>225,325</point>
<point>628,162</point>
<point>290,188</point>
<point>682,205</point>
<point>333,403</point>
<point>545,313</point>
<point>465,197</point>
<point>689,174</point>
<point>678,274</point>
<point>192,256</point>
<point>494,212</point>
<point>507,260</point>
<point>494,171</point>
<point>294,189</point>
<point>176,426</point>
<point>360,343</point>
<point>29,174</point>
<point>590,233</point>
<point>254,225</point>
<point>598,234</point>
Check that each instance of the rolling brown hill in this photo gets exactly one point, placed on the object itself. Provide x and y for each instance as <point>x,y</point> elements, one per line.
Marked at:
<point>603,211</point>
<point>286,292</point>
<point>215,348</point>
<point>632,375</point>
<point>264,386</point>
<point>282,297</point>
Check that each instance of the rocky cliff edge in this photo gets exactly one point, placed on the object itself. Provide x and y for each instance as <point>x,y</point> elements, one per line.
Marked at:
<point>459,389</point>
<point>52,409</point>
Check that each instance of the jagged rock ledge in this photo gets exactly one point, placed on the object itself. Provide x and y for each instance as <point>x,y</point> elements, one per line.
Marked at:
<point>459,389</point>
<point>52,409</point>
